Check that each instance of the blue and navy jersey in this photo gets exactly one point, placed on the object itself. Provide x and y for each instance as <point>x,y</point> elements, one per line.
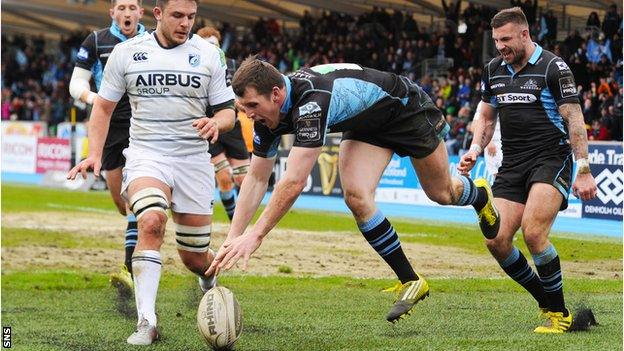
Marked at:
<point>93,55</point>
<point>338,98</point>
<point>527,102</point>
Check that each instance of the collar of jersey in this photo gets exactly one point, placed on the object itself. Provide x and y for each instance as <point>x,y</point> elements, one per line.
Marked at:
<point>287,103</point>
<point>533,59</point>
<point>114,28</point>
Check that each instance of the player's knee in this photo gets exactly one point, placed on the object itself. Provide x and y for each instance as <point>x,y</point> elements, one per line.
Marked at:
<point>498,247</point>
<point>152,224</point>
<point>150,207</point>
<point>534,239</point>
<point>359,202</point>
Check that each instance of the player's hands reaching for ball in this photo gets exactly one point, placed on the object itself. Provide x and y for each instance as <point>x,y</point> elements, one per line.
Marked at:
<point>207,128</point>
<point>234,249</point>
<point>84,166</point>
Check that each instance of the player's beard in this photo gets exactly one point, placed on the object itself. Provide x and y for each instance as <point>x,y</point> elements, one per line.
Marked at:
<point>518,56</point>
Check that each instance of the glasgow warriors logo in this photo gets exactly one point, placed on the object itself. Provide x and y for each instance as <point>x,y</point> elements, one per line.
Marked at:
<point>194,60</point>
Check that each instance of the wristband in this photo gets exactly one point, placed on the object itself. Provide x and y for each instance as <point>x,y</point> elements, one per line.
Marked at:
<point>583,166</point>
<point>477,148</point>
<point>91,98</point>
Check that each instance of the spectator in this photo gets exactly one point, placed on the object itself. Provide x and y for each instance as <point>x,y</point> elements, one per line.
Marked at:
<point>612,22</point>
<point>593,20</point>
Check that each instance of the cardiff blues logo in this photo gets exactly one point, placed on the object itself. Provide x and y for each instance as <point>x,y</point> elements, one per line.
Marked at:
<point>194,60</point>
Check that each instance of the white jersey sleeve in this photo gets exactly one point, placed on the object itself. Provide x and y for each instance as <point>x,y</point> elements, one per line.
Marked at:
<point>218,89</point>
<point>114,83</point>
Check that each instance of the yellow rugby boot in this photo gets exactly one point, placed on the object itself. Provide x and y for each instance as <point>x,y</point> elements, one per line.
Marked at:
<point>556,323</point>
<point>489,219</point>
<point>408,295</point>
<point>122,280</point>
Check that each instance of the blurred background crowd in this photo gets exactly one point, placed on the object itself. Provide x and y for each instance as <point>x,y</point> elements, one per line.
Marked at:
<point>446,59</point>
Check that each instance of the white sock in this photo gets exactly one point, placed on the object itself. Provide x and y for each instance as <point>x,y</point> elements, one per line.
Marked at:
<point>146,267</point>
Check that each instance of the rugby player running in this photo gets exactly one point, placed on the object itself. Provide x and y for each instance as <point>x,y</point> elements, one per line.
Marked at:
<point>534,94</point>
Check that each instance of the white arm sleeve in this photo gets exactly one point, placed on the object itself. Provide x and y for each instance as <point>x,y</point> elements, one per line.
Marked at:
<point>218,91</point>
<point>79,83</point>
<point>114,83</point>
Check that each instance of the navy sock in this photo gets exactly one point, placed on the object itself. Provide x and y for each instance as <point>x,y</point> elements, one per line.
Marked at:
<point>383,238</point>
<point>549,268</point>
<point>132,235</point>
<point>471,195</point>
<point>517,267</point>
<point>228,198</point>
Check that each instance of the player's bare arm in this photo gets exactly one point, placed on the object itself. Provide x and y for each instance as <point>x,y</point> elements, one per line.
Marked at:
<point>286,192</point>
<point>97,130</point>
<point>211,127</point>
<point>483,131</point>
<point>584,185</point>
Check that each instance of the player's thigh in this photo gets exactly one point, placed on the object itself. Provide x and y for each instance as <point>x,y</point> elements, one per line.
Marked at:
<point>240,168</point>
<point>540,211</point>
<point>361,166</point>
<point>113,182</point>
<point>433,172</point>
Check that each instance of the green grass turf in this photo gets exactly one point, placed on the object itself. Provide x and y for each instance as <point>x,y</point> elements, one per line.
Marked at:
<point>16,198</point>
<point>72,310</point>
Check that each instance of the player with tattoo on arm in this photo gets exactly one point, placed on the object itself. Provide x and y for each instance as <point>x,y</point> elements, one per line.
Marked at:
<point>534,94</point>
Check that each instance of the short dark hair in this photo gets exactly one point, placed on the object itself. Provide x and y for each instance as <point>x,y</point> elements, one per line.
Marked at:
<point>511,15</point>
<point>114,3</point>
<point>257,74</point>
<point>163,3</point>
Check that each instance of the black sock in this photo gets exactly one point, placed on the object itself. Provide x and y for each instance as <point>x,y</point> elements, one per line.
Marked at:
<point>131,240</point>
<point>517,267</point>
<point>383,238</point>
<point>481,199</point>
<point>228,198</point>
<point>549,268</point>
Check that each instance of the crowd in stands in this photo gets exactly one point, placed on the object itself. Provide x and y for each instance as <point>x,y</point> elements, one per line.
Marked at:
<point>35,79</point>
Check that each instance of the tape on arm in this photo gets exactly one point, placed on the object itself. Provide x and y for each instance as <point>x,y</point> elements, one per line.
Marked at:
<point>79,83</point>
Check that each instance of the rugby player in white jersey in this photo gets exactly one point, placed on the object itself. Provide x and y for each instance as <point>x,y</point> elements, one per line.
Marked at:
<point>171,77</point>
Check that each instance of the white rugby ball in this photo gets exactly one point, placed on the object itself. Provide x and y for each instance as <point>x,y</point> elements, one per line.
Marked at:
<point>219,318</point>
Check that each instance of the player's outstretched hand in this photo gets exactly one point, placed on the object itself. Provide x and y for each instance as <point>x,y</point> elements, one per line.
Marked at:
<point>467,161</point>
<point>584,187</point>
<point>232,250</point>
<point>84,166</point>
<point>207,128</point>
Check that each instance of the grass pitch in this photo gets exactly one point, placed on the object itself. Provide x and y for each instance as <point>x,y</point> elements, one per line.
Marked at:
<point>75,309</point>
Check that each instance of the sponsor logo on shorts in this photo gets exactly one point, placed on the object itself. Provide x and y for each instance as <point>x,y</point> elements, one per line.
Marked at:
<point>308,130</point>
<point>568,88</point>
<point>194,60</point>
<point>562,66</point>
<point>256,138</point>
<point>83,54</point>
<point>516,98</point>
<point>530,84</point>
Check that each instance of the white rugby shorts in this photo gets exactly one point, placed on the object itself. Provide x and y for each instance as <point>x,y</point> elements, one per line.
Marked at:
<point>191,178</point>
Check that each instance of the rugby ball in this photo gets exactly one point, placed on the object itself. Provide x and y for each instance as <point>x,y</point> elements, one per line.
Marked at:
<point>219,318</point>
